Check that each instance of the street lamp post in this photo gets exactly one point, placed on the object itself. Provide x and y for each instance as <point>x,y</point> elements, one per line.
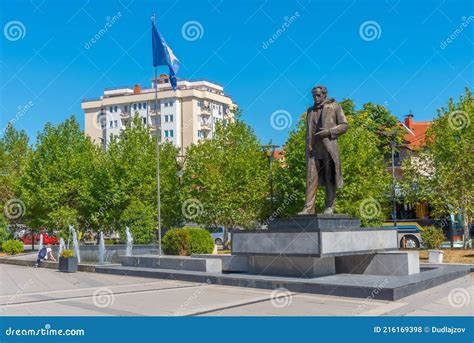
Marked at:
<point>179,168</point>
<point>269,150</point>
<point>394,209</point>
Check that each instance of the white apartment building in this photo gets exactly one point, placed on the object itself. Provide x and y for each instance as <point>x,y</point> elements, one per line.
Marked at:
<point>188,114</point>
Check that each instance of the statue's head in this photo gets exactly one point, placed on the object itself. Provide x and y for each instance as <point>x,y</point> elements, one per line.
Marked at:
<point>319,94</point>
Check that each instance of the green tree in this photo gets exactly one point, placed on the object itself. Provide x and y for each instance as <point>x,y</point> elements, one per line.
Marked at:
<point>56,184</point>
<point>226,178</point>
<point>141,218</point>
<point>444,170</point>
<point>130,174</point>
<point>378,120</point>
<point>14,154</point>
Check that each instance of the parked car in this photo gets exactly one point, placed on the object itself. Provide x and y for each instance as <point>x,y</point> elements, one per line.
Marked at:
<point>217,233</point>
<point>48,238</point>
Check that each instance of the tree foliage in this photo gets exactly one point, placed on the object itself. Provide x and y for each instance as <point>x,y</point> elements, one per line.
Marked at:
<point>226,178</point>
<point>443,172</point>
<point>57,180</point>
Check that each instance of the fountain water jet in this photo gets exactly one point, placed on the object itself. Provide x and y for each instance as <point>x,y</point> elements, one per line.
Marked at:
<point>40,244</point>
<point>102,250</point>
<point>129,242</point>
<point>75,243</point>
<point>62,246</point>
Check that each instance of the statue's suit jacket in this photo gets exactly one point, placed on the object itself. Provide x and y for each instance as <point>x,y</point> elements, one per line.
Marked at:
<point>334,120</point>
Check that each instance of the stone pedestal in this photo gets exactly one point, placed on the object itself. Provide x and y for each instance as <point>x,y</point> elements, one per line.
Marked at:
<point>306,267</point>
<point>396,263</point>
<point>314,236</point>
<point>320,245</point>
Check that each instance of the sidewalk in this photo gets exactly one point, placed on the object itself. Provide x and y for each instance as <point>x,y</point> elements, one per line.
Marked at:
<point>26,291</point>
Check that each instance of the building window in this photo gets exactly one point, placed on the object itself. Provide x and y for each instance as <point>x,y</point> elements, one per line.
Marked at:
<point>110,109</point>
<point>111,124</point>
<point>199,103</point>
<point>144,105</point>
<point>171,133</point>
<point>144,121</point>
<point>171,118</point>
<point>135,107</point>
<point>140,106</point>
<point>166,118</point>
<point>115,108</point>
<point>125,108</point>
<point>115,123</point>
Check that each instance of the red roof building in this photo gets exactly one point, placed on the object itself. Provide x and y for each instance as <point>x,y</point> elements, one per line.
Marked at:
<point>415,132</point>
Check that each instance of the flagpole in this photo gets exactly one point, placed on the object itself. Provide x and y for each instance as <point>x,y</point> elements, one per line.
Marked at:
<point>158,138</point>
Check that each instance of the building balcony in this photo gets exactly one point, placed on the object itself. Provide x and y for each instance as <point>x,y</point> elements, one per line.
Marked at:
<point>154,112</point>
<point>205,110</point>
<point>205,126</point>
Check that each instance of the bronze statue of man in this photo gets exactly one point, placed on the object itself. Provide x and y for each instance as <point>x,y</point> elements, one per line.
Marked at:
<point>325,122</point>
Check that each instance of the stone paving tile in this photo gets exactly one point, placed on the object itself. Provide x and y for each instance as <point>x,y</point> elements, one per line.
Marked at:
<point>46,292</point>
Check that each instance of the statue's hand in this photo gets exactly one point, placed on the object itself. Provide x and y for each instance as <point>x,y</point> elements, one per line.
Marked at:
<point>323,133</point>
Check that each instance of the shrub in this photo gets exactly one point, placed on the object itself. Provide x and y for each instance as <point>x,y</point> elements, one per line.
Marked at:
<point>12,247</point>
<point>177,242</point>
<point>187,241</point>
<point>432,237</point>
<point>201,241</point>
<point>5,234</point>
<point>67,253</point>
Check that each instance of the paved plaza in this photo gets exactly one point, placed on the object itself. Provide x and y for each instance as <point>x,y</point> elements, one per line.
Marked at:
<point>27,291</point>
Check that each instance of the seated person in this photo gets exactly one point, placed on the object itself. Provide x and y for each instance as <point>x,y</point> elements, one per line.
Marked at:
<point>45,254</point>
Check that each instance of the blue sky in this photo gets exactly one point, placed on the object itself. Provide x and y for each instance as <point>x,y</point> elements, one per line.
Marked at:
<point>389,52</point>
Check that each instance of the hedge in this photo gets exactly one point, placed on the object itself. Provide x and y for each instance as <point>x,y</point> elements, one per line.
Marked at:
<point>187,241</point>
<point>12,247</point>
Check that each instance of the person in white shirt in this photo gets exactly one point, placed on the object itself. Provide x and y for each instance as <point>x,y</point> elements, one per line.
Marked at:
<point>45,254</point>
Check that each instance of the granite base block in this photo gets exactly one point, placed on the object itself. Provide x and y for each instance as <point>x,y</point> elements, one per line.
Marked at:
<point>305,267</point>
<point>382,263</point>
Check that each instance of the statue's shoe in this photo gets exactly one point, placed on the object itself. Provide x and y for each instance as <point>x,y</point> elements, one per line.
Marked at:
<point>329,210</point>
<point>306,211</point>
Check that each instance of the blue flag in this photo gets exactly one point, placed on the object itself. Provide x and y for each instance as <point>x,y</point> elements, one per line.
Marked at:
<point>163,55</point>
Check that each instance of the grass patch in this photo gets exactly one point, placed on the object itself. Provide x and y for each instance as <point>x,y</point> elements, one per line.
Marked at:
<point>452,256</point>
